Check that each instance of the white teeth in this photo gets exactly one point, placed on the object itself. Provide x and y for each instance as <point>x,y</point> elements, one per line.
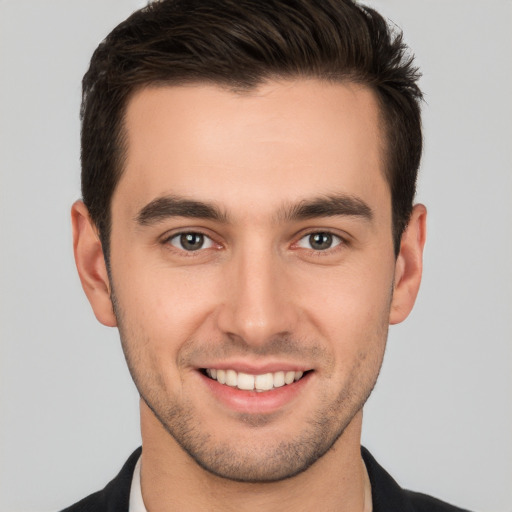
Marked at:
<point>221,376</point>
<point>264,382</point>
<point>231,378</point>
<point>247,382</point>
<point>289,377</point>
<point>278,379</point>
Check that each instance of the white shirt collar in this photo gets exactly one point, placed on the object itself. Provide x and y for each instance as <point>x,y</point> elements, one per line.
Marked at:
<point>136,503</point>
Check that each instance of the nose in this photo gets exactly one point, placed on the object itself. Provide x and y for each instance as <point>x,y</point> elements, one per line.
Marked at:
<point>259,301</point>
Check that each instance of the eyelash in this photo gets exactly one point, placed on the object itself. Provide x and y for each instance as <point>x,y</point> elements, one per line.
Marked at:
<point>190,253</point>
<point>339,243</point>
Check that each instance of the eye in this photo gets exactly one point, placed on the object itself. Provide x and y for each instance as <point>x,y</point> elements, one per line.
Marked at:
<point>319,241</point>
<point>191,241</point>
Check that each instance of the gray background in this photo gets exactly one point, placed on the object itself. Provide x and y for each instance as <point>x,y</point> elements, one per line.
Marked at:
<point>440,419</point>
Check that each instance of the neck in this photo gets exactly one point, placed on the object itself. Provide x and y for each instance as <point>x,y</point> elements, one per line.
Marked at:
<point>171,480</point>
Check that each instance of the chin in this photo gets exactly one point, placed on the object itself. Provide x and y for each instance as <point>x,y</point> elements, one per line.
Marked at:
<point>261,452</point>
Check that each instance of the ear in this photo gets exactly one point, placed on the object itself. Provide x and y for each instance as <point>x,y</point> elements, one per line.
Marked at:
<point>90,264</point>
<point>409,265</point>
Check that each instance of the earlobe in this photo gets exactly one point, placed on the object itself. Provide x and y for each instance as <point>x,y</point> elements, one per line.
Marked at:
<point>409,266</point>
<point>90,263</point>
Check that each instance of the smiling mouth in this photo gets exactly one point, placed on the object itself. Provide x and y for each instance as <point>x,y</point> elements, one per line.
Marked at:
<point>248,382</point>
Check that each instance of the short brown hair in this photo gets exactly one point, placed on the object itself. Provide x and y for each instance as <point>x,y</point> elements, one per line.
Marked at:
<point>240,44</point>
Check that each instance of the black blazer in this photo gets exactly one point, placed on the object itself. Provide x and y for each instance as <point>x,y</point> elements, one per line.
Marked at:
<point>387,495</point>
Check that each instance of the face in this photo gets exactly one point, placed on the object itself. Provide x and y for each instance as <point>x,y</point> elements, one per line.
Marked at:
<point>252,268</point>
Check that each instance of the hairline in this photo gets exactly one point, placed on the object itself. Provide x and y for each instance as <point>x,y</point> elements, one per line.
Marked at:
<point>241,89</point>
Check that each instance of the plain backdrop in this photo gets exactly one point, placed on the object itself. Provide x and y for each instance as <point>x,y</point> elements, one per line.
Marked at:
<point>440,419</point>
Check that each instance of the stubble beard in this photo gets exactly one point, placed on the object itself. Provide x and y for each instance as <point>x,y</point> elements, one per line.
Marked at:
<point>250,463</point>
<point>257,463</point>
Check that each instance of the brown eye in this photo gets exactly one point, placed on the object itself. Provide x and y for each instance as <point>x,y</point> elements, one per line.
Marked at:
<point>191,241</point>
<point>319,241</point>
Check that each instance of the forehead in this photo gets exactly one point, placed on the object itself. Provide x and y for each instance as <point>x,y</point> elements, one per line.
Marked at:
<point>279,142</point>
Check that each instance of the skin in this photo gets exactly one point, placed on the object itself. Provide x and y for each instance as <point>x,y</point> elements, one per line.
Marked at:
<point>257,293</point>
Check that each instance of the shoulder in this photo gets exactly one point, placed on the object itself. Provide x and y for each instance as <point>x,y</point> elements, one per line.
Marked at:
<point>92,503</point>
<point>388,496</point>
<point>116,494</point>
<point>424,503</point>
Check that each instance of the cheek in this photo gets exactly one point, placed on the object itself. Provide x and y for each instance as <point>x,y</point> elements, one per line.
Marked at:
<point>349,309</point>
<point>352,298</point>
<point>165,305</point>
<point>158,312</point>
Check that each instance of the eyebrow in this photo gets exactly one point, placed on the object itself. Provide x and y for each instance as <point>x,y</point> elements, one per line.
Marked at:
<point>327,206</point>
<point>172,206</point>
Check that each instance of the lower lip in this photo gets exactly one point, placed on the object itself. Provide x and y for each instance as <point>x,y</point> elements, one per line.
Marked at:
<point>256,402</point>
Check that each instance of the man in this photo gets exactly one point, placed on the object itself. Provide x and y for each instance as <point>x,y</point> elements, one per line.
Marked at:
<point>248,176</point>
